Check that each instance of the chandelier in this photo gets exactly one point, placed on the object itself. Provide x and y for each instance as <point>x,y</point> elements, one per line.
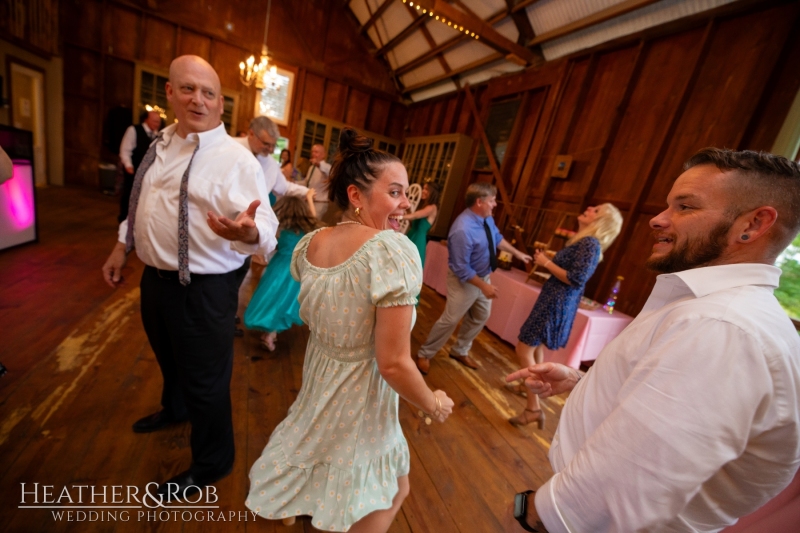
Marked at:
<point>250,71</point>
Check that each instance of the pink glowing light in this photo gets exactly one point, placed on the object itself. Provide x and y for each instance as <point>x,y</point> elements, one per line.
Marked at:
<point>19,197</point>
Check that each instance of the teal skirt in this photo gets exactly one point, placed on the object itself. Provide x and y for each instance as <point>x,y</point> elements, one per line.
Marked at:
<point>274,306</point>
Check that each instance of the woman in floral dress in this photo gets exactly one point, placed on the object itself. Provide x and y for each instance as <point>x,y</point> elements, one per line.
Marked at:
<point>550,321</point>
<point>340,455</point>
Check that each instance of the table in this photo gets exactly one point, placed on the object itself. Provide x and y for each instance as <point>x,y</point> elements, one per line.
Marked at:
<point>591,331</point>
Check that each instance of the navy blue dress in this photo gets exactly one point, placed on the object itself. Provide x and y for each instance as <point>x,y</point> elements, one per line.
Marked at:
<point>551,318</point>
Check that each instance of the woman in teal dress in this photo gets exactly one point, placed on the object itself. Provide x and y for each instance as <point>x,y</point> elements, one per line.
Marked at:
<point>340,456</point>
<point>423,218</point>
<point>274,307</point>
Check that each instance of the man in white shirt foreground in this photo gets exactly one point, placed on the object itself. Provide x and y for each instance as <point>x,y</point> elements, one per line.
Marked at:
<point>690,418</point>
<point>194,216</point>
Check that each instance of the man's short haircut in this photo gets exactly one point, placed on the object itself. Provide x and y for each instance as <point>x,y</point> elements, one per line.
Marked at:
<point>143,116</point>
<point>478,190</point>
<point>259,124</point>
<point>759,179</point>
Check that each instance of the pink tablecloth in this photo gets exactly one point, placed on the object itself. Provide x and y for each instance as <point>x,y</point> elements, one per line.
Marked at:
<point>591,331</point>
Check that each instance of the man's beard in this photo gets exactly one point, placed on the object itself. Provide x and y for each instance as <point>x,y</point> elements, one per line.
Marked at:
<point>693,253</point>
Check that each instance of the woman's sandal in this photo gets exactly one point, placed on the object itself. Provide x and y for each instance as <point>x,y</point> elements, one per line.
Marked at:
<point>517,388</point>
<point>523,419</point>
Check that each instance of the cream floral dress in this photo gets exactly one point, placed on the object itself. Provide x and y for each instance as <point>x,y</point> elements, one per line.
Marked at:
<point>338,453</point>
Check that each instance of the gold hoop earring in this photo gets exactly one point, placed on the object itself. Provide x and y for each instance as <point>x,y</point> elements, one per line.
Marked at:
<point>357,211</point>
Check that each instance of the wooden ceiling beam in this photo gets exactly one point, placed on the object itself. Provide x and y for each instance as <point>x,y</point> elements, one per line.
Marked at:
<point>488,35</point>
<point>448,44</point>
<point>596,18</point>
<point>455,72</point>
<point>375,16</point>
<point>403,35</point>
<point>429,38</point>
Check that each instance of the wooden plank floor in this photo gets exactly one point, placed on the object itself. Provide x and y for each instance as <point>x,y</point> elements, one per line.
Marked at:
<point>81,371</point>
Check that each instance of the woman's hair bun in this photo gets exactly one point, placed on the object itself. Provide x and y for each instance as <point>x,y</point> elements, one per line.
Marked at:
<point>351,142</point>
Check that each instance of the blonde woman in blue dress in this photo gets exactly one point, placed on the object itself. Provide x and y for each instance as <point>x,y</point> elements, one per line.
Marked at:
<point>340,455</point>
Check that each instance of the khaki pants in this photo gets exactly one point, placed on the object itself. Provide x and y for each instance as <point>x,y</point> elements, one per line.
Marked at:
<point>463,300</point>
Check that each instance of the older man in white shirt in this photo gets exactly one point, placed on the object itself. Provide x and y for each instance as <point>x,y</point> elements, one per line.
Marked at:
<point>690,418</point>
<point>260,140</point>
<point>317,179</point>
<point>195,214</point>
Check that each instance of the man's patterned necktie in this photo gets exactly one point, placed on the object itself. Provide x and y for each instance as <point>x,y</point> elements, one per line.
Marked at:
<point>183,212</point>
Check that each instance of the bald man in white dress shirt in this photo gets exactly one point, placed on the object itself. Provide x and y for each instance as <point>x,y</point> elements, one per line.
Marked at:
<point>198,208</point>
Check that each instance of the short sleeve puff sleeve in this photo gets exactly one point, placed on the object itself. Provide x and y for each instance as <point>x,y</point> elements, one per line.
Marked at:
<point>395,271</point>
<point>299,254</point>
<point>582,260</point>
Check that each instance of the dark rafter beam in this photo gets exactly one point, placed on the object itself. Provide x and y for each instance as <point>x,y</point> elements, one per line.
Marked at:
<point>488,35</point>
<point>521,21</point>
<point>448,44</point>
<point>466,68</point>
<point>403,35</point>
<point>375,16</point>
<point>601,16</point>
<point>425,33</point>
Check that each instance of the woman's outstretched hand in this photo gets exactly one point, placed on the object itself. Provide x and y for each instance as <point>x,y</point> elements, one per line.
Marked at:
<point>547,379</point>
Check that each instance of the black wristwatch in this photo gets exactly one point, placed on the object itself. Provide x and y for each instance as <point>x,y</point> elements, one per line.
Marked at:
<point>521,513</point>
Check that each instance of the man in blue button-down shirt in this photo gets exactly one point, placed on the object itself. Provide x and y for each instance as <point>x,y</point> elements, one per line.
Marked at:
<point>469,290</point>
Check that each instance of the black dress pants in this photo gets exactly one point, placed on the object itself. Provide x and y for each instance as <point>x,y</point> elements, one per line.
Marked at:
<point>191,332</point>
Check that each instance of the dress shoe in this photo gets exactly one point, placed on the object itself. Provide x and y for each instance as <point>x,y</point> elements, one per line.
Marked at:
<point>528,416</point>
<point>184,485</point>
<point>465,360</point>
<point>424,365</point>
<point>155,422</point>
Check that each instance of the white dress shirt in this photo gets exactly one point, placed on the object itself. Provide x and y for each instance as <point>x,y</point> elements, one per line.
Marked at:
<point>224,179</point>
<point>274,179</point>
<point>689,418</point>
<point>317,178</point>
<point>128,144</point>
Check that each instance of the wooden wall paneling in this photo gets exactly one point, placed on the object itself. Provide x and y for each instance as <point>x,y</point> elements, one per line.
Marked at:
<point>530,122</point>
<point>313,93</point>
<point>297,108</point>
<point>378,115</point>
<point>577,91</point>
<point>122,32</point>
<point>437,117</point>
<point>81,22</point>
<point>225,59</point>
<point>334,100</point>
<point>639,280</point>
<point>158,42</point>
<point>629,223</point>
<point>450,118</point>
<point>81,114</point>
<point>668,65</point>
<point>741,56</point>
<point>118,82</point>
<point>358,105</point>
<point>195,44</point>
<point>613,130</point>
<point>418,120</point>
<point>396,127</point>
<point>554,93</point>
<point>779,93</point>
<point>595,115</point>
<point>82,72</point>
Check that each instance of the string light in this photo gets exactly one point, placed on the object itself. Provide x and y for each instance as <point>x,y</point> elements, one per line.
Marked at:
<point>440,19</point>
